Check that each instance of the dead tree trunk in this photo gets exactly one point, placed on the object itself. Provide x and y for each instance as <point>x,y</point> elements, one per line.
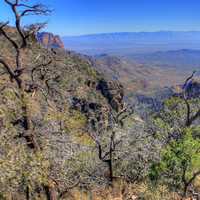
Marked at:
<point>20,10</point>
<point>51,192</point>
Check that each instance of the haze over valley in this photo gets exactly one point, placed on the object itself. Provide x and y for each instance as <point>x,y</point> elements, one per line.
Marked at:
<point>104,116</point>
<point>133,42</point>
<point>142,61</point>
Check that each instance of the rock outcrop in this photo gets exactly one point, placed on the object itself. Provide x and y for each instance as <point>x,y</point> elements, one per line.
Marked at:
<point>50,40</point>
<point>113,92</point>
<point>98,114</point>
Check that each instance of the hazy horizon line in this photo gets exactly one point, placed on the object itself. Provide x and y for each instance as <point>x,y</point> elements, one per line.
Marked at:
<point>121,32</point>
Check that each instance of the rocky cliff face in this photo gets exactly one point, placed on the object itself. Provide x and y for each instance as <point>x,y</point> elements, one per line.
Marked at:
<point>113,92</point>
<point>49,40</point>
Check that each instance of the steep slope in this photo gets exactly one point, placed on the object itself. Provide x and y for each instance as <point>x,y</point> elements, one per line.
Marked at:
<point>65,99</point>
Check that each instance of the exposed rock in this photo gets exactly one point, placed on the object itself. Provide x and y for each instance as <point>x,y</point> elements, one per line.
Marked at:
<point>113,92</point>
<point>49,40</point>
<point>97,114</point>
<point>84,106</point>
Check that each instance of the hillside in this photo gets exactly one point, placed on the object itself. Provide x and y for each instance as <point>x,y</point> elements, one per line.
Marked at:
<point>65,99</point>
<point>66,132</point>
<point>135,76</point>
<point>92,126</point>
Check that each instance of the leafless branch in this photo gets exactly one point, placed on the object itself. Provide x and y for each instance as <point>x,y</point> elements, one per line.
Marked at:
<point>3,32</point>
<point>189,118</point>
<point>69,188</point>
<point>21,10</point>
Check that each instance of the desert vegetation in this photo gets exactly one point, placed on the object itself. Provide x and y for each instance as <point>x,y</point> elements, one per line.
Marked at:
<point>67,133</point>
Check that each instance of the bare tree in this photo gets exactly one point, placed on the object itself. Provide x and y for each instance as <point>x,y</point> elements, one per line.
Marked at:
<point>106,151</point>
<point>190,116</point>
<point>106,157</point>
<point>21,9</point>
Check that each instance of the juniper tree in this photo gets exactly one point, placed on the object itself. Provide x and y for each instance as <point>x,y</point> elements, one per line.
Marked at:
<point>177,127</point>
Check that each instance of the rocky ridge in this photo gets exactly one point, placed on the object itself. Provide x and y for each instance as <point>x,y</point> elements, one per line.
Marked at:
<point>49,40</point>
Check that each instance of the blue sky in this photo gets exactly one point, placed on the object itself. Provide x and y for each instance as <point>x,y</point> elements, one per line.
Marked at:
<point>77,17</point>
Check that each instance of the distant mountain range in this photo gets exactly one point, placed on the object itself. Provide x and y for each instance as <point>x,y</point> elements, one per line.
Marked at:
<point>134,42</point>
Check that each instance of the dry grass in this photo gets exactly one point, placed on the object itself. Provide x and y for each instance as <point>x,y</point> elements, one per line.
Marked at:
<point>124,191</point>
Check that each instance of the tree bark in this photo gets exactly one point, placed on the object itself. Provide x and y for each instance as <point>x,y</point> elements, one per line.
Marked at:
<point>51,193</point>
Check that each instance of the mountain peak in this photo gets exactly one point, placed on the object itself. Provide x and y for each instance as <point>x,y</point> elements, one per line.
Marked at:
<point>50,40</point>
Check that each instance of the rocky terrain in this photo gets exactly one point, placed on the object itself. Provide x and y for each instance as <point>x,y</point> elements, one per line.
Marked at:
<point>136,78</point>
<point>49,40</point>
<point>70,130</point>
<point>65,99</point>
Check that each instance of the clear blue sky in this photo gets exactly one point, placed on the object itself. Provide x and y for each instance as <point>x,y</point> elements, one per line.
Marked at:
<point>76,17</point>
